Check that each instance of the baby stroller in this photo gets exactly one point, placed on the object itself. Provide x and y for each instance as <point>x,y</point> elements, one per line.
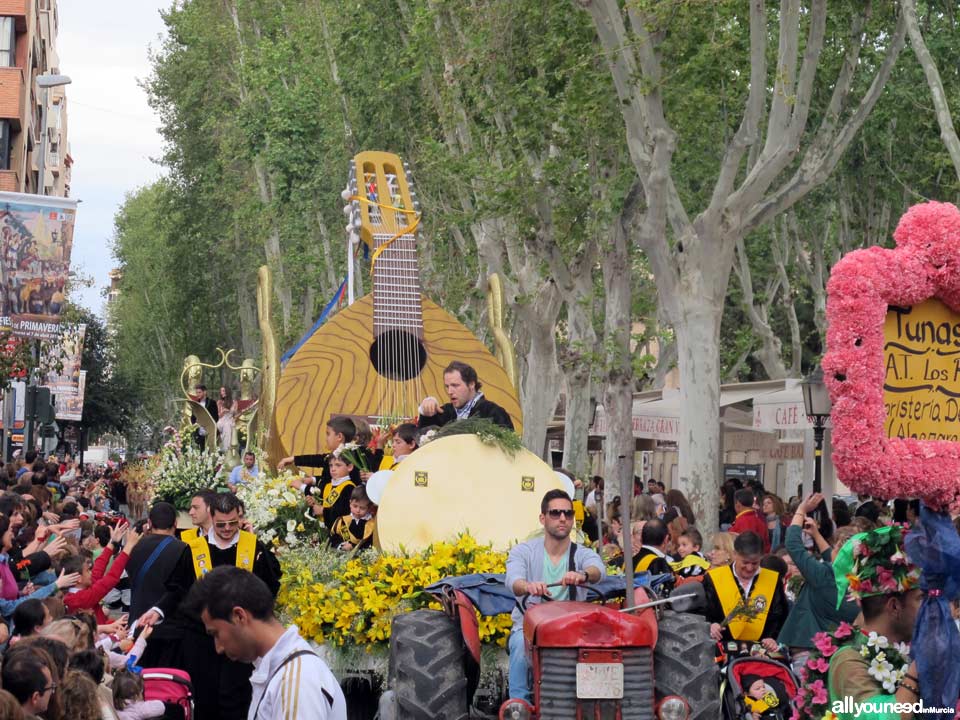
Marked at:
<point>173,688</point>
<point>772,681</point>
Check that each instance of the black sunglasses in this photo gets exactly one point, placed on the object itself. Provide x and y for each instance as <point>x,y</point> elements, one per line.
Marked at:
<point>556,512</point>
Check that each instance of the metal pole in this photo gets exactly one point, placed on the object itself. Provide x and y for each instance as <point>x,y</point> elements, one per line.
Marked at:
<point>42,163</point>
<point>818,453</point>
<point>626,505</point>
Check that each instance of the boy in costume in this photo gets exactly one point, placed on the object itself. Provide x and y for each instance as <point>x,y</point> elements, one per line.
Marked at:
<point>764,699</point>
<point>875,569</point>
<point>340,431</point>
<point>692,563</point>
<point>355,531</point>
<point>334,493</point>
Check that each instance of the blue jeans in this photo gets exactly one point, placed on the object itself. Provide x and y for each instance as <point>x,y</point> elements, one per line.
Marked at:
<point>519,677</point>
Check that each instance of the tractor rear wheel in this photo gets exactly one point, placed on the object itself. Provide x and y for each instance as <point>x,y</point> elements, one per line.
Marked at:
<point>684,663</point>
<point>427,672</point>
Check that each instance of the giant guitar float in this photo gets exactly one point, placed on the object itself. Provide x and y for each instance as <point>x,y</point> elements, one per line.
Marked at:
<point>380,356</point>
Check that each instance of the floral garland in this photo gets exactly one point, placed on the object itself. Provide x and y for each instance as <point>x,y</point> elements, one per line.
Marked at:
<point>182,469</point>
<point>486,430</point>
<point>888,664</point>
<point>350,603</point>
<point>862,285</point>
<point>279,514</point>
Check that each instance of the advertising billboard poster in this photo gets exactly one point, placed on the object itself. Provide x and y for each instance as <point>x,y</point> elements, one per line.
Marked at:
<point>65,352</point>
<point>36,237</point>
<point>70,407</point>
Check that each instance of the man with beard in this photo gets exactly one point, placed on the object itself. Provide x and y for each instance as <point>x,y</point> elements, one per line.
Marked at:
<point>536,565</point>
<point>463,388</point>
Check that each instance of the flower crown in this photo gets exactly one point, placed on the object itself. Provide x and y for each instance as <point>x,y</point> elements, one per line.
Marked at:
<point>874,563</point>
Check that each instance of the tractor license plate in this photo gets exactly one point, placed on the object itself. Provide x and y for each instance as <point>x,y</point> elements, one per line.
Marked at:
<point>600,680</point>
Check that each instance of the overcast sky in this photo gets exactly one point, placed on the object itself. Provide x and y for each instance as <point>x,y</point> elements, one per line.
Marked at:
<point>103,47</point>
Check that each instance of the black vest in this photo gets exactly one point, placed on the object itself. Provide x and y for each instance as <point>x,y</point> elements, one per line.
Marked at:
<point>146,591</point>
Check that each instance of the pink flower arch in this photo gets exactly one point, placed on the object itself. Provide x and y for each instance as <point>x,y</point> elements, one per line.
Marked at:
<point>924,264</point>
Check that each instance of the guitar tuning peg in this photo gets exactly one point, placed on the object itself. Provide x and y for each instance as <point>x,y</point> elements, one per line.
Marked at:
<point>357,222</point>
<point>349,228</point>
<point>347,210</point>
<point>346,193</point>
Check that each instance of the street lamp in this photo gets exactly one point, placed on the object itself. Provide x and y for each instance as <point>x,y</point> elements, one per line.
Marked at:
<point>816,403</point>
<point>45,82</point>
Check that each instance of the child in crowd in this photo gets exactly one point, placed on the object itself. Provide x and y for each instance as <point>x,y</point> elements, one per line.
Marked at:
<point>764,699</point>
<point>334,494</point>
<point>692,563</point>
<point>355,531</point>
<point>404,443</point>
<point>128,698</point>
<point>340,431</point>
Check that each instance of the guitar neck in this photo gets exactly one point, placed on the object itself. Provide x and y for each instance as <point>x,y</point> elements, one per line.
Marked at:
<point>396,286</point>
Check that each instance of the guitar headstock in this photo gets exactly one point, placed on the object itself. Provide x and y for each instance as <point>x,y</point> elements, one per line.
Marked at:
<point>381,196</point>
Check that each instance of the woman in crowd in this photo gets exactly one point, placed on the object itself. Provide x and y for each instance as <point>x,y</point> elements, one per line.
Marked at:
<point>815,609</point>
<point>773,512</point>
<point>722,552</point>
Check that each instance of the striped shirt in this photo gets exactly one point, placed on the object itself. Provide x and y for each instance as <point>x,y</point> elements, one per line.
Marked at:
<point>303,689</point>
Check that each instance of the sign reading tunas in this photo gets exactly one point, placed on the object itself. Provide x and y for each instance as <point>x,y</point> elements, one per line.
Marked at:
<point>921,386</point>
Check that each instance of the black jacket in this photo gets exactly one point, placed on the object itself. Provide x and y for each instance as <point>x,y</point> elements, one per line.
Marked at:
<point>164,584</point>
<point>483,409</point>
<point>776,616</point>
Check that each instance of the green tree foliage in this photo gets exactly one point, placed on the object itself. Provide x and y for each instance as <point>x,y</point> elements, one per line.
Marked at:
<point>507,113</point>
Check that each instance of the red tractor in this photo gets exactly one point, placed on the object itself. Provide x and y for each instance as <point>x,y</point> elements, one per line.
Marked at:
<point>591,661</point>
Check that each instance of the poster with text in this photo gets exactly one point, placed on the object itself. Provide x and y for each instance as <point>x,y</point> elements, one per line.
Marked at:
<point>36,237</point>
<point>70,407</point>
<point>66,352</point>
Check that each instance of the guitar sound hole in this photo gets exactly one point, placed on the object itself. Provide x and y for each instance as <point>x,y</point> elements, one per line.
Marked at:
<point>398,355</point>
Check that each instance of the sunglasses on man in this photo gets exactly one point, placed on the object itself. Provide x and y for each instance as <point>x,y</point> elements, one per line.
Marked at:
<point>557,512</point>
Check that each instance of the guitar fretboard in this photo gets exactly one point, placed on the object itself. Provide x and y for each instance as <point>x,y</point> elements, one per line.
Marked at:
<point>396,286</point>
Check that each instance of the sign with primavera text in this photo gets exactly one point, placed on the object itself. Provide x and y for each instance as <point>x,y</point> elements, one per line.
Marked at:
<point>921,386</point>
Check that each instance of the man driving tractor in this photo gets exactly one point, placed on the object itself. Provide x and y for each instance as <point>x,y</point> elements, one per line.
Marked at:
<point>534,566</point>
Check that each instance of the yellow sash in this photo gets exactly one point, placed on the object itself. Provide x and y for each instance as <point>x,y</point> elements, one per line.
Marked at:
<point>189,535</point>
<point>645,562</point>
<point>331,494</point>
<point>689,562</point>
<point>202,564</point>
<point>761,597</point>
<point>386,463</point>
<point>341,529</point>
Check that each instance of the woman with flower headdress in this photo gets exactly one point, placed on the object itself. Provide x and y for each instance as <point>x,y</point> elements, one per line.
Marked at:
<point>868,664</point>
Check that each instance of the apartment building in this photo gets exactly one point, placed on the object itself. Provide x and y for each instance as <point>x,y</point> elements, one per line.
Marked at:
<point>28,34</point>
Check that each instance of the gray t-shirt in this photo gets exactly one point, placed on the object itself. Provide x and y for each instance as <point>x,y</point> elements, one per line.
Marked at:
<point>525,562</point>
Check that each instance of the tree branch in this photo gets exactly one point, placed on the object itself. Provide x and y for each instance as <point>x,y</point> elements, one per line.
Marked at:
<point>947,132</point>
<point>746,135</point>
<point>817,163</point>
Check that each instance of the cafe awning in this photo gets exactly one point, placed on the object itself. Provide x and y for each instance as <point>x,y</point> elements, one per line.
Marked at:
<point>656,415</point>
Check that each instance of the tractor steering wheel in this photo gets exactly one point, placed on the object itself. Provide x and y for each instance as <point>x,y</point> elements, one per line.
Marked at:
<point>524,601</point>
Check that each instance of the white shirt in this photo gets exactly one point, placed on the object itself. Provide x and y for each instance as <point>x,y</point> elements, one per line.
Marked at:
<point>212,537</point>
<point>745,587</point>
<point>303,689</point>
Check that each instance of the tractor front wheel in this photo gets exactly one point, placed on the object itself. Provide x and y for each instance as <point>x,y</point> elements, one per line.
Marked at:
<point>684,663</point>
<point>427,667</point>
